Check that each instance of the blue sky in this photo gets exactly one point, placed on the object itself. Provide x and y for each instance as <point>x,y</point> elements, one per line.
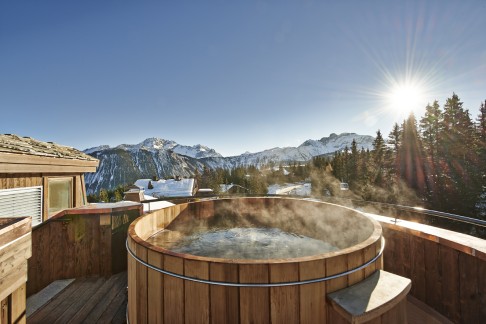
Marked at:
<point>234,75</point>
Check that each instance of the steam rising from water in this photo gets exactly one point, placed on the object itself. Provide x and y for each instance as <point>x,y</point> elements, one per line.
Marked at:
<point>282,225</point>
<point>243,243</point>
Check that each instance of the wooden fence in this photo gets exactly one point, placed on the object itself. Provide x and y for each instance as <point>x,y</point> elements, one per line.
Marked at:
<point>79,243</point>
<point>447,269</point>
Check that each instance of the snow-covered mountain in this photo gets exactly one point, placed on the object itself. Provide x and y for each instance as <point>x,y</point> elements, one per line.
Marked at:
<point>304,152</point>
<point>124,164</point>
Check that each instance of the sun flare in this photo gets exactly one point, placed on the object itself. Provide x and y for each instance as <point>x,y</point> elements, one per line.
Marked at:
<point>406,98</point>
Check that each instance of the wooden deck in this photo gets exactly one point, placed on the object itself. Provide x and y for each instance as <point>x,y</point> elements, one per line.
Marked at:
<point>104,300</point>
<point>87,300</point>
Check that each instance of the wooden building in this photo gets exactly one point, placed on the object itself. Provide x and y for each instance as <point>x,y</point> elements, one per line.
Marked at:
<point>41,179</point>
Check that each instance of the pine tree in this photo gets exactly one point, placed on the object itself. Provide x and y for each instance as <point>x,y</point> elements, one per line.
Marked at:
<point>378,155</point>
<point>410,157</point>
<point>458,152</point>
<point>104,195</point>
<point>431,127</point>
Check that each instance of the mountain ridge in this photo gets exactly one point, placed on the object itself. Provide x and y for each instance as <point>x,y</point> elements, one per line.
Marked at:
<point>125,163</point>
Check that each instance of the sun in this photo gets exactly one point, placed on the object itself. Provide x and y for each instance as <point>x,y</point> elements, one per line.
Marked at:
<point>406,97</point>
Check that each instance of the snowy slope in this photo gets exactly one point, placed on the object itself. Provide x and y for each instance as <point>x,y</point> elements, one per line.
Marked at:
<point>305,152</point>
<point>161,158</point>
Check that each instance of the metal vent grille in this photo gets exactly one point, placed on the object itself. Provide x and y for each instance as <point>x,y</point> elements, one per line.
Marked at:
<point>21,202</point>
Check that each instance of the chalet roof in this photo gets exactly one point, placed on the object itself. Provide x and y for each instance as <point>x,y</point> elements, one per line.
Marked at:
<point>25,145</point>
<point>27,155</point>
<point>167,188</point>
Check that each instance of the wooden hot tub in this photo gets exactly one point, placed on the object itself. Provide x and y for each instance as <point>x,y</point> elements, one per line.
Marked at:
<point>170,287</point>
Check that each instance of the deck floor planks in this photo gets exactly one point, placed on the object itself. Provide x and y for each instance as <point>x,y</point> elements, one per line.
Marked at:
<point>94,315</point>
<point>89,287</point>
<point>112,294</point>
<point>87,300</point>
<point>53,309</point>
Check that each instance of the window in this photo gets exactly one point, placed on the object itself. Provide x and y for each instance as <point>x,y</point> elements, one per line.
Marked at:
<point>60,194</point>
<point>21,202</point>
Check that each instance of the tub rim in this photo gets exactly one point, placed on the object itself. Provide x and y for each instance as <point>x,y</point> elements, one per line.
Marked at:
<point>375,236</point>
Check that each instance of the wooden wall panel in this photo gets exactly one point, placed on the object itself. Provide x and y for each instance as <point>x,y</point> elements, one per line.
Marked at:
<point>313,306</point>
<point>284,301</point>
<point>155,288</point>
<point>449,259</point>
<point>173,291</point>
<point>444,275</point>
<point>433,279</point>
<point>224,300</point>
<point>468,292</point>
<point>18,305</point>
<point>196,295</point>
<point>254,302</point>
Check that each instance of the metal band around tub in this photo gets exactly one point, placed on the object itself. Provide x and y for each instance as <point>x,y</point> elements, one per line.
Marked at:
<point>257,285</point>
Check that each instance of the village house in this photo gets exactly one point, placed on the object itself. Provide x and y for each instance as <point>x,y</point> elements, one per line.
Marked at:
<point>50,233</point>
<point>40,179</point>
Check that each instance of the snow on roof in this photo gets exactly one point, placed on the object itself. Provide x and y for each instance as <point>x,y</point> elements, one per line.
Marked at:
<point>167,188</point>
<point>300,189</point>
<point>225,187</point>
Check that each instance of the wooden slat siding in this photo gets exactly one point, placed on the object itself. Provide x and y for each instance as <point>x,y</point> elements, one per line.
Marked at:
<point>76,248</point>
<point>390,252</point>
<point>417,268</point>
<point>45,169</point>
<point>3,181</point>
<point>335,265</point>
<point>13,279</point>
<point>132,282</point>
<point>254,302</point>
<point>56,239</point>
<point>355,259</point>
<point>141,285</point>
<point>81,235</point>
<point>397,315</point>
<point>15,230</point>
<point>468,288</point>
<point>155,291</point>
<point>335,318</point>
<point>93,259</point>
<point>313,307</point>
<point>433,279</point>
<point>196,295</point>
<point>173,291</point>
<point>224,300</point>
<point>450,278</point>
<point>45,201</point>
<point>376,321</point>
<point>482,290</point>
<point>369,253</point>
<point>284,301</point>
<point>12,256</point>
<point>18,305</point>
<point>38,269</point>
<point>4,310</point>
<point>402,246</point>
<point>14,158</point>
<point>106,250</point>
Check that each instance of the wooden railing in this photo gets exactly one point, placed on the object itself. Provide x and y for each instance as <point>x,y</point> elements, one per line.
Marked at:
<point>447,269</point>
<point>80,242</point>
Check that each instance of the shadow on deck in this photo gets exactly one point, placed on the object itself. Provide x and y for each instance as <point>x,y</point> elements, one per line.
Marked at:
<point>104,300</point>
<point>86,300</point>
